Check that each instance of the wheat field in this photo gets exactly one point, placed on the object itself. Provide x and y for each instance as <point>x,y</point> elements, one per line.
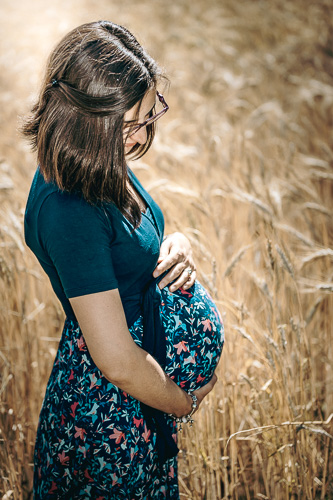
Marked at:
<point>242,164</point>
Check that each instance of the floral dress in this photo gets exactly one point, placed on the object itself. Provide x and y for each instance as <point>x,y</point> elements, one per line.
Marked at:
<point>94,441</point>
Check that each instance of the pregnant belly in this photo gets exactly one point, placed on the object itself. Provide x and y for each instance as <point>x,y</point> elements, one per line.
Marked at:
<point>194,335</point>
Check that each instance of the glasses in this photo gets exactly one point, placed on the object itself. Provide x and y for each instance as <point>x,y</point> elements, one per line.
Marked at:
<point>133,129</point>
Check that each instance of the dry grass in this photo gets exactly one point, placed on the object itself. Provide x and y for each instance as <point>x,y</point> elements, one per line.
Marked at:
<point>245,155</point>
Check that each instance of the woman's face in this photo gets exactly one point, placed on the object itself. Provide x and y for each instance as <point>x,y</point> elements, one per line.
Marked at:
<point>140,137</point>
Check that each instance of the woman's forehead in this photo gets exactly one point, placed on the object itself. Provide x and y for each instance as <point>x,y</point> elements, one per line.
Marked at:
<point>149,99</point>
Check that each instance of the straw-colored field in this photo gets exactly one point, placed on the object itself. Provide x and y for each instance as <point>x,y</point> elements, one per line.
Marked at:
<point>243,165</point>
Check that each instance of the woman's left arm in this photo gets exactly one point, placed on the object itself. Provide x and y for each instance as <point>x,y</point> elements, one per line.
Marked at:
<point>176,256</point>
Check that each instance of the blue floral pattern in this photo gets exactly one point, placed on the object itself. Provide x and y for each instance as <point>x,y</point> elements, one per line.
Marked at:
<point>92,440</point>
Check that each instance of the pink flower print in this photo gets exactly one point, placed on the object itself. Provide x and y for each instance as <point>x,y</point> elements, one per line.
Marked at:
<point>81,344</point>
<point>117,435</point>
<point>63,418</point>
<point>80,432</point>
<point>73,408</point>
<point>71,377</point>
<point>63,459</point>
<point>200,378</point>
<point>207,325</point>
<point>53,487</point>
<point>146,434</point>
<point>93,381</point>
<point>137,422</point>
<point>171,472</point>
<point>86,474</point>
<point>185,292</point>
<point>181,346</point>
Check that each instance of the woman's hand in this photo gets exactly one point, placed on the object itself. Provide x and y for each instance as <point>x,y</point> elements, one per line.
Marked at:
<point>176,255</point>
<point>200,394</point>
<point>205,389</point>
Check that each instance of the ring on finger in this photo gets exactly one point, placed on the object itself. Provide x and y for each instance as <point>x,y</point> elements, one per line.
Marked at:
<point>189,271</point>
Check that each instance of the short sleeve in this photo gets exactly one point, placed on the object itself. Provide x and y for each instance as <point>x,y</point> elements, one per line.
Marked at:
<point>77,237</point>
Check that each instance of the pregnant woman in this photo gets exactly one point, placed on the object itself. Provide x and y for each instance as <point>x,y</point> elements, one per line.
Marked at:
<point>142,337</point>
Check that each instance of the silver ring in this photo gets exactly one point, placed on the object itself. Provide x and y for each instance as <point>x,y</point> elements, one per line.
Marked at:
<point>189,271</point>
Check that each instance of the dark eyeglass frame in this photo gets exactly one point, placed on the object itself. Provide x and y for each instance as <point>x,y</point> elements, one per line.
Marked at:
<point>151,119</point>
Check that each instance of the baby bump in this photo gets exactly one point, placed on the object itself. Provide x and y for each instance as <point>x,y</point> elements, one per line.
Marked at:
<point>194,335</point>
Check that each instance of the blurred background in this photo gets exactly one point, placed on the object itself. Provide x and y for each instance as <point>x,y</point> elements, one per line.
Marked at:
<point>242,164</point>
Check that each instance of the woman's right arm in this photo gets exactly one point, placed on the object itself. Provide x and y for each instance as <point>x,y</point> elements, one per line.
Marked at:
<point>102,321</point>
<point>77,238</point>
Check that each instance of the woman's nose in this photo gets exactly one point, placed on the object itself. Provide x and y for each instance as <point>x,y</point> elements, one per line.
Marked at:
<point>140,136</point>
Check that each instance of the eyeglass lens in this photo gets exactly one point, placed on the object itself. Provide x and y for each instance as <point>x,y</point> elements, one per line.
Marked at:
<point>159,110</point>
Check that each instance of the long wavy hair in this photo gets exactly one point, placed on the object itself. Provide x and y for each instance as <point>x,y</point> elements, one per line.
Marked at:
<point>94,75</point>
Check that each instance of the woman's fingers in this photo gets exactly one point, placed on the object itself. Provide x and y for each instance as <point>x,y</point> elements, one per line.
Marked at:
<point>179,276</point>
<point>186,279</point>
<point>190,278</point>
<point>176,260</point>
<point>205,389</point>
<point>175,271</point>
<point>169,262</point>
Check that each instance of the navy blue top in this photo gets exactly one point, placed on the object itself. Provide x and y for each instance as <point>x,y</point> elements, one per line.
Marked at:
<point>87,249</point>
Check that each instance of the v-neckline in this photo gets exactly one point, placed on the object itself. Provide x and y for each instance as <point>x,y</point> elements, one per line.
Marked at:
<point>139,190</point>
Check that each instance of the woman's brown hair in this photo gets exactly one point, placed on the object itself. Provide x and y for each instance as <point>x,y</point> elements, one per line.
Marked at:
<point>94,75</point>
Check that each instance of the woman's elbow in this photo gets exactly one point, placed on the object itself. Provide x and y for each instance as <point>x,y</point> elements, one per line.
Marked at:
<point>119,370</point>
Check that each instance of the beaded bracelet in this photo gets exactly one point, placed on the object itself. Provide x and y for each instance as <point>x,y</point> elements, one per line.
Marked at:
<point>186,419</point>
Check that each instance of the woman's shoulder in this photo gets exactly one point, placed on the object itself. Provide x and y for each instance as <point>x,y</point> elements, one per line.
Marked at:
<point>52,206</point>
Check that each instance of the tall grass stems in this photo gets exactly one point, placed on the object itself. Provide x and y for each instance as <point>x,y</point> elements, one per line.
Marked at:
<point>243,165</point>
